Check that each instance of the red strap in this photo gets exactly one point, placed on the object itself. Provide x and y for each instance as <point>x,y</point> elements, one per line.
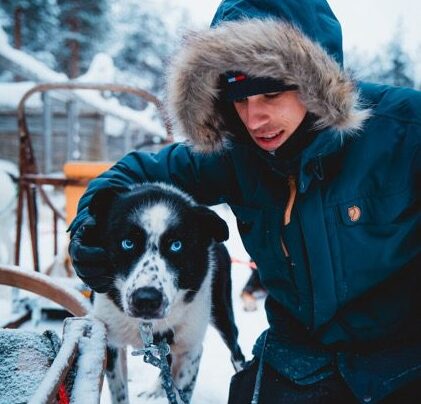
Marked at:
<point>250,264</point>
<point>63,397</point>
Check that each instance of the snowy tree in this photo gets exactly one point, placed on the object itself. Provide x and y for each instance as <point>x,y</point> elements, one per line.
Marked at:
<point>84,27</point>
<point>30,25</point>
<point>398,71</point>
<point>147,33</point>
<point>392,66</point>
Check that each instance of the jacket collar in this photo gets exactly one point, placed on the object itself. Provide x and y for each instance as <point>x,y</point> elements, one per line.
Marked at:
<point>327,142</point>
<point>310,161</point>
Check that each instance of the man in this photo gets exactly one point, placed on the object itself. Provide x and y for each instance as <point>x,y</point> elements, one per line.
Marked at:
<point>321,174</point>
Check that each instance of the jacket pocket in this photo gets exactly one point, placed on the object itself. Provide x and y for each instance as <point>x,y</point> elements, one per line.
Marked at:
<point>376,237</point>
<point>376,210</point>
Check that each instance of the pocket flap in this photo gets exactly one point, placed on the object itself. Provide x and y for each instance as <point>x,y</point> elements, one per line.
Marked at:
<point>375,210</point>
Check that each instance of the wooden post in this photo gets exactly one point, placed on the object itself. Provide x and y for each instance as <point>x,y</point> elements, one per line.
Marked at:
<point>47,132</point>
<point>73,138</point>
<point>127,138</point>
<point>102,137</point>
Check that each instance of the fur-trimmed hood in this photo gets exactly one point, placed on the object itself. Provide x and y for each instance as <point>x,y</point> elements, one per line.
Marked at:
<point>259,48</point>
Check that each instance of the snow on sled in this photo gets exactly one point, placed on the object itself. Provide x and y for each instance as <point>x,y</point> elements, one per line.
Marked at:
<point>39,368</point>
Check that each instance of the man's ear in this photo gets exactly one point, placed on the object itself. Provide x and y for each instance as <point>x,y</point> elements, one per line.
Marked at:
<point>212,224</point>
<point>101,201</point>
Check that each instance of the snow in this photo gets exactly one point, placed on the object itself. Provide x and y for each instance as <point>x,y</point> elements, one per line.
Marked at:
<point>31,367</point>
<point>92,350</point>
<point>11,94</point>
<point>61,362</point>
<point>80,303</point>
<point>86,337</point>
<point>114,126</point>
<point>100,70</point>
<point>112,107</point>
<point>25,358</point>
<point>7,318</point>
<point>28,65</point>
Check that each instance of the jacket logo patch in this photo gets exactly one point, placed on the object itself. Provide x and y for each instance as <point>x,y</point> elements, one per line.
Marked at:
<point>354,213</point>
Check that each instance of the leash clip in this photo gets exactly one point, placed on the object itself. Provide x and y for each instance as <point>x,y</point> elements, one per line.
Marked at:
<point>149,348</point>
<point>156,355</point>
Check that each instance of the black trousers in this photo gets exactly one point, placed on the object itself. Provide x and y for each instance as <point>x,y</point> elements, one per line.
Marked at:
<point>276,389</point>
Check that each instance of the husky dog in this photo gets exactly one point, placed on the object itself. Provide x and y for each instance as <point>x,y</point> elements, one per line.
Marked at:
<point>168,268</point>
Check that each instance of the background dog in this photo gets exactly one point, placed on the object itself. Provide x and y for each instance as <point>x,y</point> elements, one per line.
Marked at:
<point>168,269</point>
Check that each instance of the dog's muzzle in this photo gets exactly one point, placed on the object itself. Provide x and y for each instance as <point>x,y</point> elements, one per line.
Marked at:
<point>147,303</point>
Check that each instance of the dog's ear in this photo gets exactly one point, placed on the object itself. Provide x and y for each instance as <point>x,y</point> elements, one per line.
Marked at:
<point>102,200</point>
<point>212,224</point>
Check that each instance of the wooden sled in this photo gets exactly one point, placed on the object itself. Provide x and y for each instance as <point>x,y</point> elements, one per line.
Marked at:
<point>39,368</point>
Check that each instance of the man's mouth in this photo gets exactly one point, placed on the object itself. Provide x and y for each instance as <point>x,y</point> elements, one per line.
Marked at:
<point>270,136</point>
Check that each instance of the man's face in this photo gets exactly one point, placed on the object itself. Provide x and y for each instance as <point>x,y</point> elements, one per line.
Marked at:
<point>271,118</point>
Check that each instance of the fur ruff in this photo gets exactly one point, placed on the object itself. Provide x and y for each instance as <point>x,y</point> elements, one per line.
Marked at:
<point>258,48</point>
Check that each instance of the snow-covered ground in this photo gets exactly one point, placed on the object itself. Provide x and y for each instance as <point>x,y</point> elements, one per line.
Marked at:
<point>215,369</point>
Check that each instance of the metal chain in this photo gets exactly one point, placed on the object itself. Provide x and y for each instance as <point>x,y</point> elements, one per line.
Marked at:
<point>156,355</point>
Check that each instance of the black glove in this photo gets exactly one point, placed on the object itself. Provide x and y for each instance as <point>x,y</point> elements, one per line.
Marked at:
<point>90,261</point>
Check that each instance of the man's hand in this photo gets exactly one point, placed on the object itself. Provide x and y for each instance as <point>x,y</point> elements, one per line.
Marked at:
<point>89,260</point>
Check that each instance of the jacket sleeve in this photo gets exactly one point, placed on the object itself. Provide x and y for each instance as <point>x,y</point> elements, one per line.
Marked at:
<point>207,177</point>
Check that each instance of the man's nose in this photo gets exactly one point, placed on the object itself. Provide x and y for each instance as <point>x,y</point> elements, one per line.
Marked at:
<point>257,115</point>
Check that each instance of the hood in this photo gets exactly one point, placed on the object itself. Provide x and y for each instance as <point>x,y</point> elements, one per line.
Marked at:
<point>260,48</point>
<point>313,17</point>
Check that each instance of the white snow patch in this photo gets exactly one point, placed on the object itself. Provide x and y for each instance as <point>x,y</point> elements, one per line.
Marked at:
<point>31,68</point>
<point>11,94</point>
<point>92,350</point>
<point>101,70</point>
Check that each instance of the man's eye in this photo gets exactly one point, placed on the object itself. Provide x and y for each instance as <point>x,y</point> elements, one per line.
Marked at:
<point>176,246</point>
<point>127,244</point>
<point>240,101</point>
<point>273,95</point>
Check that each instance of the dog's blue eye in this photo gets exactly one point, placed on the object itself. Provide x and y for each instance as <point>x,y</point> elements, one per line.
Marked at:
<point>127,244</point>
<point>176,246</point>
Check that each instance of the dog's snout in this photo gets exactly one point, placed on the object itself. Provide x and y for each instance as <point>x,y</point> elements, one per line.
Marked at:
<point>147,302</point>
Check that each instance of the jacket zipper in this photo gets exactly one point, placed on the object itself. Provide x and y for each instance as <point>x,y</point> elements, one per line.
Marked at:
<point>292,185</point>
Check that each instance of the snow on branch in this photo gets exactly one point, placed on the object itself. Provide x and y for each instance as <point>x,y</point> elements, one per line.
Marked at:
<point>27,66</point>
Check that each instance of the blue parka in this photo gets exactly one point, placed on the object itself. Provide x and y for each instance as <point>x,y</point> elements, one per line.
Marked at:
<point>343,272</point>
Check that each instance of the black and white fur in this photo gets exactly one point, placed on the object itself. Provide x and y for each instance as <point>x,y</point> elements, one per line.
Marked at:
<point>168,268</point>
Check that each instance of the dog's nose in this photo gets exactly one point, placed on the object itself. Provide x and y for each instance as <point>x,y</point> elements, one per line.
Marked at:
<point>147,302</point>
